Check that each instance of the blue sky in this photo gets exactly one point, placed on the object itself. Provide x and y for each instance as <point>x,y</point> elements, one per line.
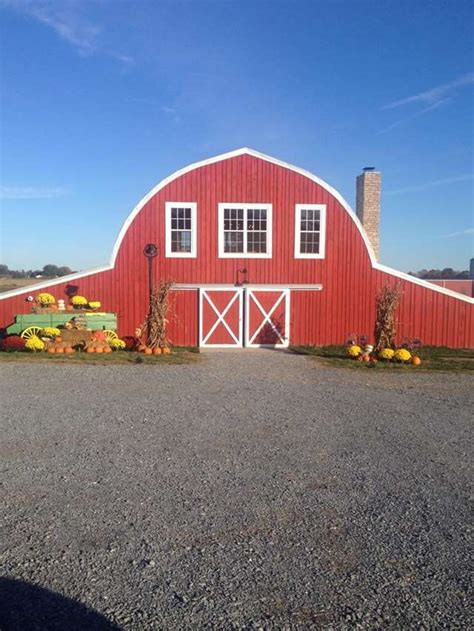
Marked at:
<point>101,99</point>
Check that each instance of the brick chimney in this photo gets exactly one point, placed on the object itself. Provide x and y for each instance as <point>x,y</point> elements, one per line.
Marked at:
<point>368,204</point>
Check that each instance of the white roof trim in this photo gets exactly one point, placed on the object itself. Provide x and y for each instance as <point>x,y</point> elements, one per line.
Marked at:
<point>262,156</point>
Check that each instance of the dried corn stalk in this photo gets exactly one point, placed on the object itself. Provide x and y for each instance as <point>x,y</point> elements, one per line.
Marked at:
<point>388,300</point>
<point>156,322</point>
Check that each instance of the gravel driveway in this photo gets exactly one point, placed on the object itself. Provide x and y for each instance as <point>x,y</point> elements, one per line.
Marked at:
<point>254,489</point>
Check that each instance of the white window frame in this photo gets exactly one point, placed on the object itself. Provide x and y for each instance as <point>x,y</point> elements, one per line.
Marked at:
<point>181,255</point>
<point>322,231</point>
<point>245,254</point>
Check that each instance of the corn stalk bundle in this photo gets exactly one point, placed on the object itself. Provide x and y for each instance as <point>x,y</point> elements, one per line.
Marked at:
<point>388,300</point>
<point>156,322</point>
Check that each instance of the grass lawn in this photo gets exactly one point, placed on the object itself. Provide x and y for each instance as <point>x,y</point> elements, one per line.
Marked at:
<point>179,355</point>
<point>7,283</point>
<point>432,358</point>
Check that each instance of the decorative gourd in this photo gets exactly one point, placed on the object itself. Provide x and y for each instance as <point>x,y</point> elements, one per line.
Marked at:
<point>416,361</point>
<point>366,357</point>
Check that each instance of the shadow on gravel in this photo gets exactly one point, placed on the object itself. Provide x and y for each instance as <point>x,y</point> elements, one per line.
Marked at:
<point>26,607</point>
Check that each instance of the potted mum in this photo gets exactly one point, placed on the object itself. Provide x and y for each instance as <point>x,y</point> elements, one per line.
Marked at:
<point>79,302</point>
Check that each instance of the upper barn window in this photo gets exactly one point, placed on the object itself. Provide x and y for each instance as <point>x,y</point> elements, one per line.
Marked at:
<point>310,231</point>
<point>245,230</point>
<point>181,229</point>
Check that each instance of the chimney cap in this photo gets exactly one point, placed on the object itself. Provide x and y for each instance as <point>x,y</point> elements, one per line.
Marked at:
<point>368,169</point>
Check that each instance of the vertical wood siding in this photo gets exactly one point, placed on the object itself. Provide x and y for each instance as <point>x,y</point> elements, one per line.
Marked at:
<point>345,305</point>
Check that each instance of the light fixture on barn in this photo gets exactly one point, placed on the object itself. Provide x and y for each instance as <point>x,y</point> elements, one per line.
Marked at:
<point>150,251</point>
<point>244,281</point>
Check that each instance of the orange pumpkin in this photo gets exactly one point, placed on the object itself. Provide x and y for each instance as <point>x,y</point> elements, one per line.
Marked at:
<point>51,349</point>
<point>157,351</point>
<point>90,349</point>
<point>59,339</point>
<point>148,351</point>
<point>366,358</point>
<point>69,349</point>
<point>99,349</point>
<point>166,350</point>
<point>59,349</point>
<point>415,360</point>
<point>106,349</point>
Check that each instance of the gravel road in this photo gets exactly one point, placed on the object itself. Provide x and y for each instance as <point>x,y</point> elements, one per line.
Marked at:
<point>254,489</point>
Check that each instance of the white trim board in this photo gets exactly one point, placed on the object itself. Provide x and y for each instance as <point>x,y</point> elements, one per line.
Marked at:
<point>179,287</point>
<point>262,156</point>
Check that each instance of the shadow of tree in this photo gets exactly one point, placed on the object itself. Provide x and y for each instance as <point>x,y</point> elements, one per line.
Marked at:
<point>27,607</point>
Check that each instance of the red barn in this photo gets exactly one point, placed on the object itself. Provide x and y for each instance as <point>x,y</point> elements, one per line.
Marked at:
<point>262,253</point>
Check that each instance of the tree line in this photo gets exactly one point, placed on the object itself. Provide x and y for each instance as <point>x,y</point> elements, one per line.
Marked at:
<point>448,273</point>
<point>48,270</point>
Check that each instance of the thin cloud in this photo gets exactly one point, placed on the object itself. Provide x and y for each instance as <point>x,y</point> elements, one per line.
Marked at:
<point>69,25</point>
<point>434,95</point>
<point>434,183</point>
<point>424,111</point>
<point>460,233</point>
<point>31,192</point>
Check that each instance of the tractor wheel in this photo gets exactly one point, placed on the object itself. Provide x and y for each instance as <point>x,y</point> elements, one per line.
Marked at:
<point>110,335</point>
<point>30,331</point>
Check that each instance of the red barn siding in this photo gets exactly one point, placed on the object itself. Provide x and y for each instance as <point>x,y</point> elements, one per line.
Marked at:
<point>346,303</point>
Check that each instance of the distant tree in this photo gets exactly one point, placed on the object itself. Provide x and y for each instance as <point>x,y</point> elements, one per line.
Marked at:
<point>50,270</point>
<point>448,273</point>
<point>4,271</point>
<point>64,270</point>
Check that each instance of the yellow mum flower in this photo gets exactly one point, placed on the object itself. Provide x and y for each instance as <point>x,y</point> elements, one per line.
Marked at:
<point>402,355</point>
<point>50,331</point>
<point>78,301</point>
<point>34,344</point>
<point>386,353</point>
<point>94,304</point>
<point>117,344</point>
<point>45,299</point>
<point>354,350</point>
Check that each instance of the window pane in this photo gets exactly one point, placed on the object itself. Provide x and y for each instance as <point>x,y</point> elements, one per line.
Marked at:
<point>181,241</point>
<point>233,242</point>
<point>257,242</point>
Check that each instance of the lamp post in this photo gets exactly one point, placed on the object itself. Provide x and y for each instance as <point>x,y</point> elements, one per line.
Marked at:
<point>150,251</point>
